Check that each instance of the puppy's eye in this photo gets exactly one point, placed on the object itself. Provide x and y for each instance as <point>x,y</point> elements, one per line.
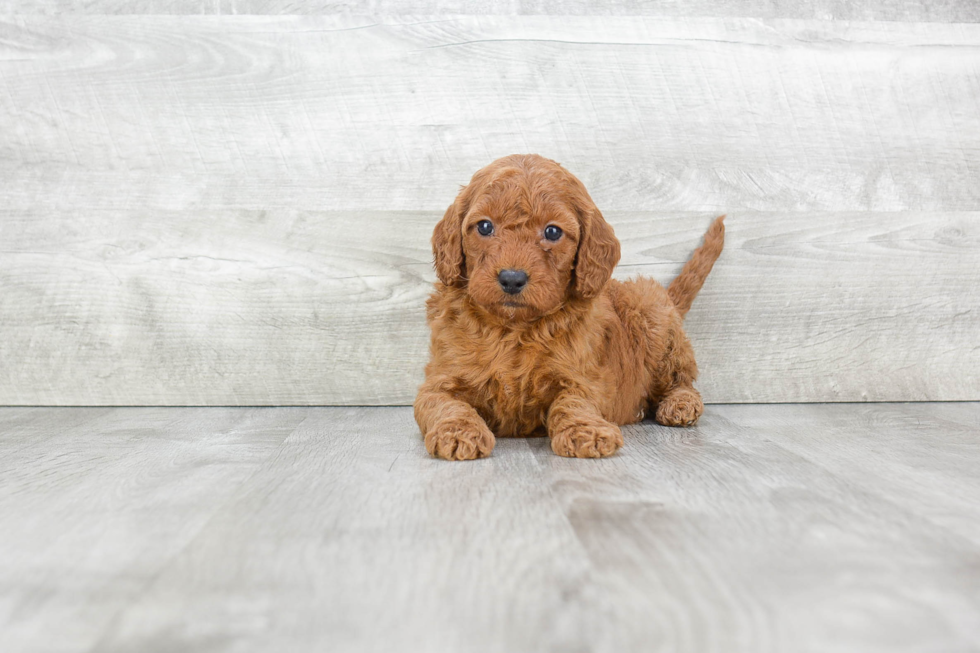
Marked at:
<point>552,233</point>
<point>485,227</point>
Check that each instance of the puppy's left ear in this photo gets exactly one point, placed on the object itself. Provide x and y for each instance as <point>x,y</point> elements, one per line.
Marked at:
<point>598,252</point>
<point>447,246</point>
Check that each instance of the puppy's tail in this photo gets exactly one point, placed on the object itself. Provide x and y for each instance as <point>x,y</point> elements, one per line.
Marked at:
<point>684,288</point>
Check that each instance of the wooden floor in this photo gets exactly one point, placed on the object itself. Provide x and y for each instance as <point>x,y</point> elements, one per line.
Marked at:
<point>767,528</point>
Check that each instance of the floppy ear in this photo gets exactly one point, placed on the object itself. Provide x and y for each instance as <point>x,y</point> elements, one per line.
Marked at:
<point>598,253</point>
<point>447,246</point>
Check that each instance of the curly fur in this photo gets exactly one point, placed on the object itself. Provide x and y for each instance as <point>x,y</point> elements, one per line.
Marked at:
<point>575,354</point>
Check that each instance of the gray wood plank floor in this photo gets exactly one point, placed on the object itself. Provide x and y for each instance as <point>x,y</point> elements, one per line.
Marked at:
<point>767,528</point>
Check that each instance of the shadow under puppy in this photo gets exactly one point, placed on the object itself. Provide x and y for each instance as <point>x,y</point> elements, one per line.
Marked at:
<point>531,335</point>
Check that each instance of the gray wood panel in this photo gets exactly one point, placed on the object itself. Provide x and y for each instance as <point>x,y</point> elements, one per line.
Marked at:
<point>905,452</point>
<point>235,209</point>
<point>95,503</point>
<point>905,10</point>
<point>725,538</point>
<point>333,113</point>
<point>313,529</point>
<point>298,307</point>
<point>397,552</point>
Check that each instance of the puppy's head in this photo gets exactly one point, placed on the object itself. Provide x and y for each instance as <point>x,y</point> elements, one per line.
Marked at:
<point>524,237</point>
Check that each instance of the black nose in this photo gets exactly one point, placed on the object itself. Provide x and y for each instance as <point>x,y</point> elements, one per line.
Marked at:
<point>512,281</point>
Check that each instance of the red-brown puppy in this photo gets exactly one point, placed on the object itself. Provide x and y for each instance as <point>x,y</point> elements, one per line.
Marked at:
<point>530,334</point>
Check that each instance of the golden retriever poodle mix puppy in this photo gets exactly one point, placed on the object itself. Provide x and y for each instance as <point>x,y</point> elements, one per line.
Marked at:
<point>531,336</point>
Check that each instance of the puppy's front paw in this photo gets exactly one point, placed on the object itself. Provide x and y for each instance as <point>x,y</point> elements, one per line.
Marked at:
<point>682,407</point>
<point>593,439</point>
<point>455,439</point>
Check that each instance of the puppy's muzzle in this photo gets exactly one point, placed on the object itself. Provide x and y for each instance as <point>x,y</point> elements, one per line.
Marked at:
<point>512,281</point>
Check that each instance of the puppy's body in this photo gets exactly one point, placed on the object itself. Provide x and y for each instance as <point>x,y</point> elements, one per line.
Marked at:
<point>607,348</point>
<point>575,353</point>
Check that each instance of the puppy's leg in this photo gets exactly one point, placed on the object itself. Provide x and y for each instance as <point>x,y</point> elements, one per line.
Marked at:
<point>578,430</point>
<point>452,428</point>
<point>681,404</point>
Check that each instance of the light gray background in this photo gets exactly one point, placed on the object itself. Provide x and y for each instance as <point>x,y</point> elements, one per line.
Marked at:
<point>230,202</point>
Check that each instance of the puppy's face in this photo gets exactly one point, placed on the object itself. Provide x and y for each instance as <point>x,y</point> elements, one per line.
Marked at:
<point>522,238</point>
<point>519,253</point>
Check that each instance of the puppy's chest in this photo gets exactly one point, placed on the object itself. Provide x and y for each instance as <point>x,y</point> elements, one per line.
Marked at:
<point>519,370</point>
<point>512,385</point>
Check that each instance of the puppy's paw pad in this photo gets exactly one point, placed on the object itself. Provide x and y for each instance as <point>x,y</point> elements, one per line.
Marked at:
<point>587,441</point>
<point>680,408</point>
<point>459,440</point>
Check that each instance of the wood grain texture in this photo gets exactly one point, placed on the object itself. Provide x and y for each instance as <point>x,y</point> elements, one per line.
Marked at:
<point>907,452</point>
<point>235,209</point>
<point>241,307</point>
<point>330,528</point>
<point>943,11</point>
<point>727,537</point>
<point>92,511</point>
<point>344,113</point>
<point>395,551</point>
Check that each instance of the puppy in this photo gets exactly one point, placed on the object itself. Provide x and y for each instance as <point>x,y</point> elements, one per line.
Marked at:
<point>531,336</point>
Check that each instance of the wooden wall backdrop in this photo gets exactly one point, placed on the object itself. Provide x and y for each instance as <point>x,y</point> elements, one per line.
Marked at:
<point>230,202</point>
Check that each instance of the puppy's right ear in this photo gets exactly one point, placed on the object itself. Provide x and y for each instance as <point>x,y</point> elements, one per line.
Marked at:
<point>447,246</point>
